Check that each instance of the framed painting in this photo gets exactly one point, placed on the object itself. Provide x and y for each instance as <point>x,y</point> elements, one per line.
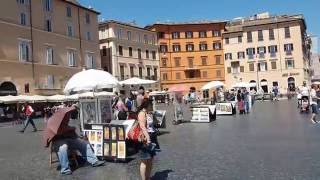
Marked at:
<point>105,110</point>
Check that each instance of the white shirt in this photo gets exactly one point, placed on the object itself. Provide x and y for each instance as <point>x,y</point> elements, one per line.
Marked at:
<point>313,95</point>
<point>304,90</point>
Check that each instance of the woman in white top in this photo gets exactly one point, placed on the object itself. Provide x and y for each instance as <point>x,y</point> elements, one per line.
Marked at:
<point>313,103</point>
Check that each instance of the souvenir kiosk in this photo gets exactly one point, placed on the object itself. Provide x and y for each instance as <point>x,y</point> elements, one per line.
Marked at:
<point>106,137</point>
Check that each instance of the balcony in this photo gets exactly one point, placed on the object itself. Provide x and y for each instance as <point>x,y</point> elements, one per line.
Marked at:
<point>261,55</point>
<point>250,56</point>
<point>288,53</point>
<point>273,54</point>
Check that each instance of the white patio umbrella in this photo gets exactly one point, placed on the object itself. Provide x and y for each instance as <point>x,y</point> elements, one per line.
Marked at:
<point>95,94</point>
<point>252,84</point>
<point>316,83</point>
<point>56,98</point>
<point>241,85</point>
<point>137,81</point>
<point>212,85</point>
<point>90,80</point>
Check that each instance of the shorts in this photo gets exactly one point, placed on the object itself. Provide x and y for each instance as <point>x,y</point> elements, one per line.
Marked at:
<point>147,151</point>
<point>314,108</point>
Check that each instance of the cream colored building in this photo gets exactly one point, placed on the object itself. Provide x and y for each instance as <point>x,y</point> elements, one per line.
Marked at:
<point>43,43</point>
<point>268,50</point>
<point>129,51</point>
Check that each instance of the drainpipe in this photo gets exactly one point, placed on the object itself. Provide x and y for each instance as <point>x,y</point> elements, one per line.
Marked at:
<point>31,34</point>
<point>80,40</point>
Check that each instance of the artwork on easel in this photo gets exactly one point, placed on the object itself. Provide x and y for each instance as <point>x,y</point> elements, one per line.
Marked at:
<point>121,150</point>
<point>88,111</point>
<point>105,110</point>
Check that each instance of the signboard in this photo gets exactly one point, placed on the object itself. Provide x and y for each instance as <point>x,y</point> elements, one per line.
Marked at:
<point>224,108</point>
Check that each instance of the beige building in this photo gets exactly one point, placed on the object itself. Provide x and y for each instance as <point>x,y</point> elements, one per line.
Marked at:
<point>268,50</point>
<point>43,43</point>
<point>129,51</point>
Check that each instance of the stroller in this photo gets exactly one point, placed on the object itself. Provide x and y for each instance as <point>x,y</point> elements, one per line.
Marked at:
<point>304,104</point>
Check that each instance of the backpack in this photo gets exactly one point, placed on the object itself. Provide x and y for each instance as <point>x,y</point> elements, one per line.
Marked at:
<point>129,104</point>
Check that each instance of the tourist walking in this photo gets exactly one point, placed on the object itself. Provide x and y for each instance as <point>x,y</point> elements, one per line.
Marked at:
<point>314,105</point>
<point>246,100</point>
<point>28,111</point>
<point>240,102</point>
<point>147,147</point>
<point>275,92</point>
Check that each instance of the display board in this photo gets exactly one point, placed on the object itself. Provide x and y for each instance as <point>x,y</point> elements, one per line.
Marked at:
<point>224,108</point>
<point>200,114</point>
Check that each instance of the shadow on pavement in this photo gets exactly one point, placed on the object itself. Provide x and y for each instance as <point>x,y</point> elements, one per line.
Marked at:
<point>162,175</point>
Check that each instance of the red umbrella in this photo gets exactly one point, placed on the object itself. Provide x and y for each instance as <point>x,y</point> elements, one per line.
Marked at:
<point>56,123</point>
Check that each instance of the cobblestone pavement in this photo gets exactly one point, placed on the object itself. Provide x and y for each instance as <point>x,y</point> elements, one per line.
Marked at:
<point>274,141</point>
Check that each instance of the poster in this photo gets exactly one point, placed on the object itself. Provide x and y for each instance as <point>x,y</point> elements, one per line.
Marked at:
<point>114,149</point>
<point>88,111</point>
<point>106,149</point>
<point>114,133</point>
<point>121,133</point>
<point>92,136</point>
<point>105,110</point>
<point>98,149</point>
<point>99,136</point>
<point>121,150</point>
<point>106,133</point>
<point>224,108</point>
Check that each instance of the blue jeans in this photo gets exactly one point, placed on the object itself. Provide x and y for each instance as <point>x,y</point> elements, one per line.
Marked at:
<point>27,121</point>
<point>62,146</point>
<point>246,104</point>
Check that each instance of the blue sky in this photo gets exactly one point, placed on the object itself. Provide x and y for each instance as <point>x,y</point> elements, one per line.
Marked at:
<point>145,12</point>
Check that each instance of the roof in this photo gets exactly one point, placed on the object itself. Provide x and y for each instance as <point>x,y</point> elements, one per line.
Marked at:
<point>199,22</point>
<point>76,3</point>
<point>238,24</point>
<point>132,25</point>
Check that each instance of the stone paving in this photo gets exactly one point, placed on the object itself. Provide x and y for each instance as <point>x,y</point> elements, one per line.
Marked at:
<point>274,141</point>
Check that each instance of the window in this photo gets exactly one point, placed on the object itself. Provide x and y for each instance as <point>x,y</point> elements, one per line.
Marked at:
<point>50,81</point>
<point>261,51</point>
<point>273,50</point>
<point>228,70</point>
<point>119,33</point>
<point>121,72</point>
<point>204,74</point>
<point>155,74</point>
<point>164,76</point>
<point>70,30</point>
<point>47,5</point>
<point>153,55</point>
<point>69,13</point>
<point>90,61</point>
<point>120,51</point>
<point>235,67</point>
<point>104,51</point>
<point>289,63</point>
<point>163,48</point>
<point>202,34</point>
<point>189,34</point>
<point>239,39</point>
<point>145,38</point>
<point>288,47</point>
<point>249,36</point>
<point>204,61</point>
<point>218,73</point>
<point>139,54</point>
<point>241,68</point>
<point>129,35</point>
<point>176,48</point>
<point>131,71</point>
<point>153,40</point>
<point>26,88</point>
<point>271,34</point>
<point>88,36</point>
<point>24,51</point>
<point>260,35</point>
<point>49,55</point>
<point>178,75</point>
<point>148,73</point>
<point>22,1</point>
<point>189,47</point>
<point>48,25</point>
<point>177,62</point>
<point>262,66</point>
<point>164,62</point>
<point>228,56</point>
<point>71,58</point>
<point>203,47</point>
<point>287,32</point>
<point>250,52</point>
<point>160,35</point>
<point>216,45</point>
<point>140,72</point>
<point>87,18</point>
<point>241,55</point>
<point>23,19</point>
<point>218,59</point>
<point>147,54</point>
<point>175,35</point>
<point>130,51</point>
<point>138,37</point>
<point>216,33</point>
<point>190,62</point>
<point>251,67</point>
<point>226,40</point>
<point>273,65</point>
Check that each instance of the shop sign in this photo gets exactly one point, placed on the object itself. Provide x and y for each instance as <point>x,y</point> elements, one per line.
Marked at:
<point>290,74</point>
<point>224,108</point>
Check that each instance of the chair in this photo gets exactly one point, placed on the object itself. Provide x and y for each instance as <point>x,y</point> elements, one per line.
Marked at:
<point>72,157</point>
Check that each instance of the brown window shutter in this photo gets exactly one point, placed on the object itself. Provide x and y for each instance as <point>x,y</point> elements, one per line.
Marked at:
<point>229,70</point>
<point>241,68</point>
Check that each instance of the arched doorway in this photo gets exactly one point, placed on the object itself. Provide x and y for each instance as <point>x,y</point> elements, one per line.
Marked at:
<point>255,88</point>
<point>264,85</point>
<point>291,84</point>
<point>8,88</point>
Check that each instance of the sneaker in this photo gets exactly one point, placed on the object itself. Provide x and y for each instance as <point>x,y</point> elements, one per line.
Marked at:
<point>35,130</point>
<point>67,172</point>
<point>22,131</point>
<point>98,163</point>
